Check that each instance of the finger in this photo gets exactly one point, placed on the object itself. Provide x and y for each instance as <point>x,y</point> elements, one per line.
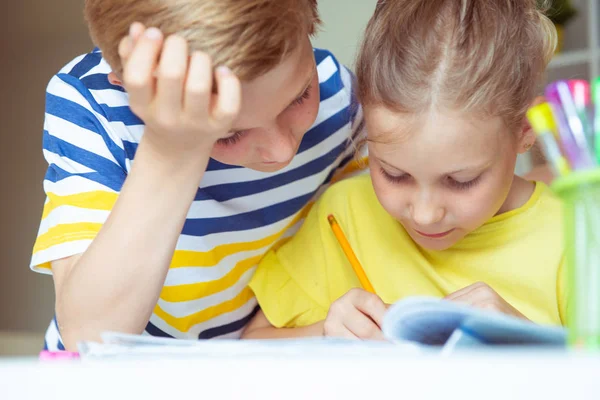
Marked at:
<point>198,86</point>
<point>171,75</point>
<point>465,291</point>
<point>362,326</point>
<point>371,305</point>
<point>127,44</point>
<point>338,329</point>
<point>139,70</point>
<point>136,30</point>
<point>229,94</point>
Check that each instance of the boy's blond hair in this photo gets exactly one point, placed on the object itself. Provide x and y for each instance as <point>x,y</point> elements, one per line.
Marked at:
<point>482,56</point>
<point>249,36</point>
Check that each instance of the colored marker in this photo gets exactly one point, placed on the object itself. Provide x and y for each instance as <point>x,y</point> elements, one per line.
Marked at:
<point>570,127</point>
<point>541,119</point>
<point>580,91</point>
<point>596,97</point>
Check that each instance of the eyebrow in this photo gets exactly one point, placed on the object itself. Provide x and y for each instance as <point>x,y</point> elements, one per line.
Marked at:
<point>304,88</point>
<point>389,165</point>
<point>474,167</point>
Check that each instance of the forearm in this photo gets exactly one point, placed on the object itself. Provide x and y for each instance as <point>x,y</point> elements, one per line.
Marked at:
<point>270,332</point>
<point>116,283</point>
<point>261,328</point>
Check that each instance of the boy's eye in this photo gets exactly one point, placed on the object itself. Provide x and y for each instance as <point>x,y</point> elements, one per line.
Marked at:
<point>304,96</point>
<point>394,178</point>
<point>458,185</point>
<point>231,140</point>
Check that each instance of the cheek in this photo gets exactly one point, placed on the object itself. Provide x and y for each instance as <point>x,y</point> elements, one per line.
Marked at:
<point>474,208</point>
<point>232,155</point>
<point>389,196</point>
<point>301,117</point>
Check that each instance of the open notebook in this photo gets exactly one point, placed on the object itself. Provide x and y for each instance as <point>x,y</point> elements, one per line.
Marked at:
<point>413,325</point>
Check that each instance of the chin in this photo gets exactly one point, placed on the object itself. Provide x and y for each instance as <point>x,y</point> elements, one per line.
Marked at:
<point>261,167</point>
<point>435,244</point>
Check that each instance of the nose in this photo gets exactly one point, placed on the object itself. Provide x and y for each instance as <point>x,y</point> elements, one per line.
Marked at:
<point>425,211</point>
<point>279,145</point>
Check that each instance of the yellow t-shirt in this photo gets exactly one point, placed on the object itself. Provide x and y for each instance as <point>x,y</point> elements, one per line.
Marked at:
<point>518,253</point>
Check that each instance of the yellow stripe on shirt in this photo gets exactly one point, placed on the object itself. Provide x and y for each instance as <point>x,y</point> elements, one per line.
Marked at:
<point>187,258</point>
<point>194,291</point>
<point>183,324</point>
<point>97,200</point>
<point>66,233</point>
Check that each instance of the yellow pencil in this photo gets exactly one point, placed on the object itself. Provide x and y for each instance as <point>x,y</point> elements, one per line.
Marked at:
<point>358,270</point>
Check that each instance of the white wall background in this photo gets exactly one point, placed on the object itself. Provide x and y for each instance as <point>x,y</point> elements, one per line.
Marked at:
<point>343,24</point>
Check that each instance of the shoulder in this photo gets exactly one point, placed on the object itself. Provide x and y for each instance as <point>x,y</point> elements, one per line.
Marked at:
<point>333,76</point>
<point>547,202</point>
<point>85,80</point>
<point>81,94</point>
<point>348,194</point>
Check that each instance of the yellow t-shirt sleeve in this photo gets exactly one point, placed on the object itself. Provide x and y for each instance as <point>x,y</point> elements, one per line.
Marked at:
<point>292,283</point>
<point>284,301</point>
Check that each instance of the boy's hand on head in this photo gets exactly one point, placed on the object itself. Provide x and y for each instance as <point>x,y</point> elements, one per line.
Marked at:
<point>356,315</point>
<point>172,92</point>
<point>482,296</point>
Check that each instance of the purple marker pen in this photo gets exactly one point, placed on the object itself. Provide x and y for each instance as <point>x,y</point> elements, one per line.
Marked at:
<point>570,128</point>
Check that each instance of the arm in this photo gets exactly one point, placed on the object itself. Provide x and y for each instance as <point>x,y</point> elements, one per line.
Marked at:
<point>356,315</point>
<point>261,328</point>
<point>116,282</point>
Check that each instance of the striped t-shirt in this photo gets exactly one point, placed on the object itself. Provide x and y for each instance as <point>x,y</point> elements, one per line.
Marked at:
<point>90,140</point>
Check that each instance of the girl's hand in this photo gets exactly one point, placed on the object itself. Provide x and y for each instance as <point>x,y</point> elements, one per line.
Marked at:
<point>356,315</point>
<point>480,295</point>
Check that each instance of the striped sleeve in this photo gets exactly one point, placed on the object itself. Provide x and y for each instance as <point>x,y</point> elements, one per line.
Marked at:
<point>86,169</point>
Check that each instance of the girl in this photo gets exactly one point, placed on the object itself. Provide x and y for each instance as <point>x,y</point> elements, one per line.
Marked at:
<point>445,85</point>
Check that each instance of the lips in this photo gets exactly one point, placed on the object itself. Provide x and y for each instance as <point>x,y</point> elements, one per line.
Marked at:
<point>435,235</point>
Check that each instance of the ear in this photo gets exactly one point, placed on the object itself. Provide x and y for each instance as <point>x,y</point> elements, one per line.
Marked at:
<point>527,135</point>
<point>114,79</point>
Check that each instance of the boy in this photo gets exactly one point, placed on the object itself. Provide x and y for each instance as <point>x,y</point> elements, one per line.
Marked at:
<point>226,162</point>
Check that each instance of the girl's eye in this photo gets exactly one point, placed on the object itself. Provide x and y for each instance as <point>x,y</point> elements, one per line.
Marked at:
<point>305,96</point>
<point>394,178</point>
<point>231,140</point>
<point>462,185</point>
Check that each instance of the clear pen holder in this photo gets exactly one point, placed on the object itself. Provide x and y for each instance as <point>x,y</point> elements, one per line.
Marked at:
<point>580,192</point>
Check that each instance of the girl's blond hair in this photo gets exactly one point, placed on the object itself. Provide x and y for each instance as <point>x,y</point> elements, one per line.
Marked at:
<point>482,56</point>
<point>249,36</point>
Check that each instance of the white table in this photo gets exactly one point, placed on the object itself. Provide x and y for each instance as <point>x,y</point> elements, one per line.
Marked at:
<point>498,375</point>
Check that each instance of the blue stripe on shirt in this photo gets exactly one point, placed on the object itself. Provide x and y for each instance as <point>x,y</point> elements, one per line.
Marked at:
<point>325,129</point>
<point>100,82</point>
<point>112,114</point>
<point>331,86</point>
<point>248,220</point>
<point>229,191</point>
<point>320,55</point>
<point>153,330</point>
<point>84,66</point>
<point>84,118</point>
<point>106,173</point>
<point>228,328</point>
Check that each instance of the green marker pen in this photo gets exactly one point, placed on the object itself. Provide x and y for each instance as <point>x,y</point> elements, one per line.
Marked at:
<point>596,99</point>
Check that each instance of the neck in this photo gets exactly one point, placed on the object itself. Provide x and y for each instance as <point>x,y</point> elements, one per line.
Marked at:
<point>520,192</point>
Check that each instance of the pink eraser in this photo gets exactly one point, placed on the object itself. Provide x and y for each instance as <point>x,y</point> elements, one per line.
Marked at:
<point>58,355</point>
